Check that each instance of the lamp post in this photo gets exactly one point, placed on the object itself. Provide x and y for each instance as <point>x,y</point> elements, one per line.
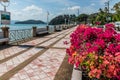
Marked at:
<point>47,18</point>
<point>77,22</point>
<point>5,3</point>
<point>107,5</point>
<point>78,11</point>
<point>68,19</point>
<point>65,21</point>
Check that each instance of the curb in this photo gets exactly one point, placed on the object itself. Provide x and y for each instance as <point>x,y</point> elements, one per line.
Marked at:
<point>76,74</point>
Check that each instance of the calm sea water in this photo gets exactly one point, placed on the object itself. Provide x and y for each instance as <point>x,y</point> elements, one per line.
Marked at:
<point>26,26</point>
<point>23,26</point>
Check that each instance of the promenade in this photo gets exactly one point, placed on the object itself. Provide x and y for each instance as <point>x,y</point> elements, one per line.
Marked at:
<point>38,59</point>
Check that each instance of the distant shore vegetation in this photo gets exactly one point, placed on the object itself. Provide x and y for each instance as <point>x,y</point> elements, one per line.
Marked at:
<point>30,22</point>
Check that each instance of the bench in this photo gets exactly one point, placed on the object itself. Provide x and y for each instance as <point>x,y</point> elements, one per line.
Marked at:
<point>2,39</point>
<point>40,31</point>
<point>64,27</point>
<point>58,28</point>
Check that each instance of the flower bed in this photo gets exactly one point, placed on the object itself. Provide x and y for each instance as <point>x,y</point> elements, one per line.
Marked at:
<point>96,52</point>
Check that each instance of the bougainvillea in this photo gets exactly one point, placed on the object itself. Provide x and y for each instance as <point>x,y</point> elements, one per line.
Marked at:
<point>96,51</point>
<point>98,23</point>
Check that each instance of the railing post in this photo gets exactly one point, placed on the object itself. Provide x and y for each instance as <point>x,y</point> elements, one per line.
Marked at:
<point>5,31</point>
<point>60,27</point>
<point>54,28</point>
<point>47,28</point>
<point>34,31</point>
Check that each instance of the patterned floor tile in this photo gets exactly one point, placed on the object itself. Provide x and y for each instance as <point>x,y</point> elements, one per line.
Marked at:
<point>62,43</point>
<point>47,43</point>
<point>45,66</point>
<point>10,64</point>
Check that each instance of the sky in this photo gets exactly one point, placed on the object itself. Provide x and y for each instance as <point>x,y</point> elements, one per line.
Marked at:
<point>39,9</point>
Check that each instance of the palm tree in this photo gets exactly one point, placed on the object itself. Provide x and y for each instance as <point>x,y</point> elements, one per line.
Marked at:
<point>116,7</point>
<point>102,15</point>
<point>116,15</point>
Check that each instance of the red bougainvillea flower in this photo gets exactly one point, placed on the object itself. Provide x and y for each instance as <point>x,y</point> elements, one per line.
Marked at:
<point>96,51</point>
<point>66,42</point>
<point>109,25</point>
<point>98,23</point>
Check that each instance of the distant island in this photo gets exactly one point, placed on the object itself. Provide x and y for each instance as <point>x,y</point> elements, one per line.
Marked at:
<point>30,22</point>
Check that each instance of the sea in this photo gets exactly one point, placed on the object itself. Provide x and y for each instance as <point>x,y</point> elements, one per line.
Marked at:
<point>26,26</point>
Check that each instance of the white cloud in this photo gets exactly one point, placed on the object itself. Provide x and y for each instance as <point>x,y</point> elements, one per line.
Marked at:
<point>74,8</point>
<point>60,2</point>
<point>70,10</point>
<point>14,3</point>
<point>88,10</point>
<point>33,8</point>
<point>102,2</point>
<point>93,4</point>
<point>29,12</point>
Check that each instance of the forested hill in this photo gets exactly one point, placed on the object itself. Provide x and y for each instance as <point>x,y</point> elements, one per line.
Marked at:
<point>62,19</point>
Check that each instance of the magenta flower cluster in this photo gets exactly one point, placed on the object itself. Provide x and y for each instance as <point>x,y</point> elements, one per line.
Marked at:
<point>96,51</point>
<point>97,23</point>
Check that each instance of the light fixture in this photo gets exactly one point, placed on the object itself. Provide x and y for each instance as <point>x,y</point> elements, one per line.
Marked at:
<point>5,3</point>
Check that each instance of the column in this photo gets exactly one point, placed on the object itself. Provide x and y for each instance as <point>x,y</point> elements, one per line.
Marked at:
<point>34,31</point>
<point>5,31</point>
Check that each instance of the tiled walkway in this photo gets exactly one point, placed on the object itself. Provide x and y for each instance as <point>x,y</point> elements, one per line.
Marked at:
<point>10,64</point>
<point>42,68</point>
<point>31,61</point>
<point>10,51</point>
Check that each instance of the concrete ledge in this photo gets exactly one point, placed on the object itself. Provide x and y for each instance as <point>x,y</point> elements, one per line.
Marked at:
<point>76,75</point>
<point>4,40</point>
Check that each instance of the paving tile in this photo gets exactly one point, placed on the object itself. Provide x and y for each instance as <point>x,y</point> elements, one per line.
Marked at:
<point>35,42</point>
<point>27,79</point>
<point>44,67</point>
<point>15,49</point>
<point>60,36</point>
<point>2,56</point>
<point>59,33</point>
<point>61,44</point>
<point>52,35</point>
<point>10,51</point>
<point>10,64</point>
<point>35,78</point>
<point>15,78</point>
<point>43,75</point>
<point>68,36</point>
<point>46,78</point>
<point>47,43</point>
<point>23,76</point>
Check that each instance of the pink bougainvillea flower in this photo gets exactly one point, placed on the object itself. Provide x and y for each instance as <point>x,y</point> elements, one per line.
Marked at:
<point>71,60</point>
<point>96,51</point>
<point>98,23</point>
<point>66,42</point>
<point>117,57</point>
<point>117,38</point>
<point>109,25</point>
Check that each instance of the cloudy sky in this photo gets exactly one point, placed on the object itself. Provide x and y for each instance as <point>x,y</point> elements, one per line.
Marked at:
<point>37,9</point>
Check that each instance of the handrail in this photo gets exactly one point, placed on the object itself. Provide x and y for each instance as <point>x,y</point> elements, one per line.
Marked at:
<point>18,35</point>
